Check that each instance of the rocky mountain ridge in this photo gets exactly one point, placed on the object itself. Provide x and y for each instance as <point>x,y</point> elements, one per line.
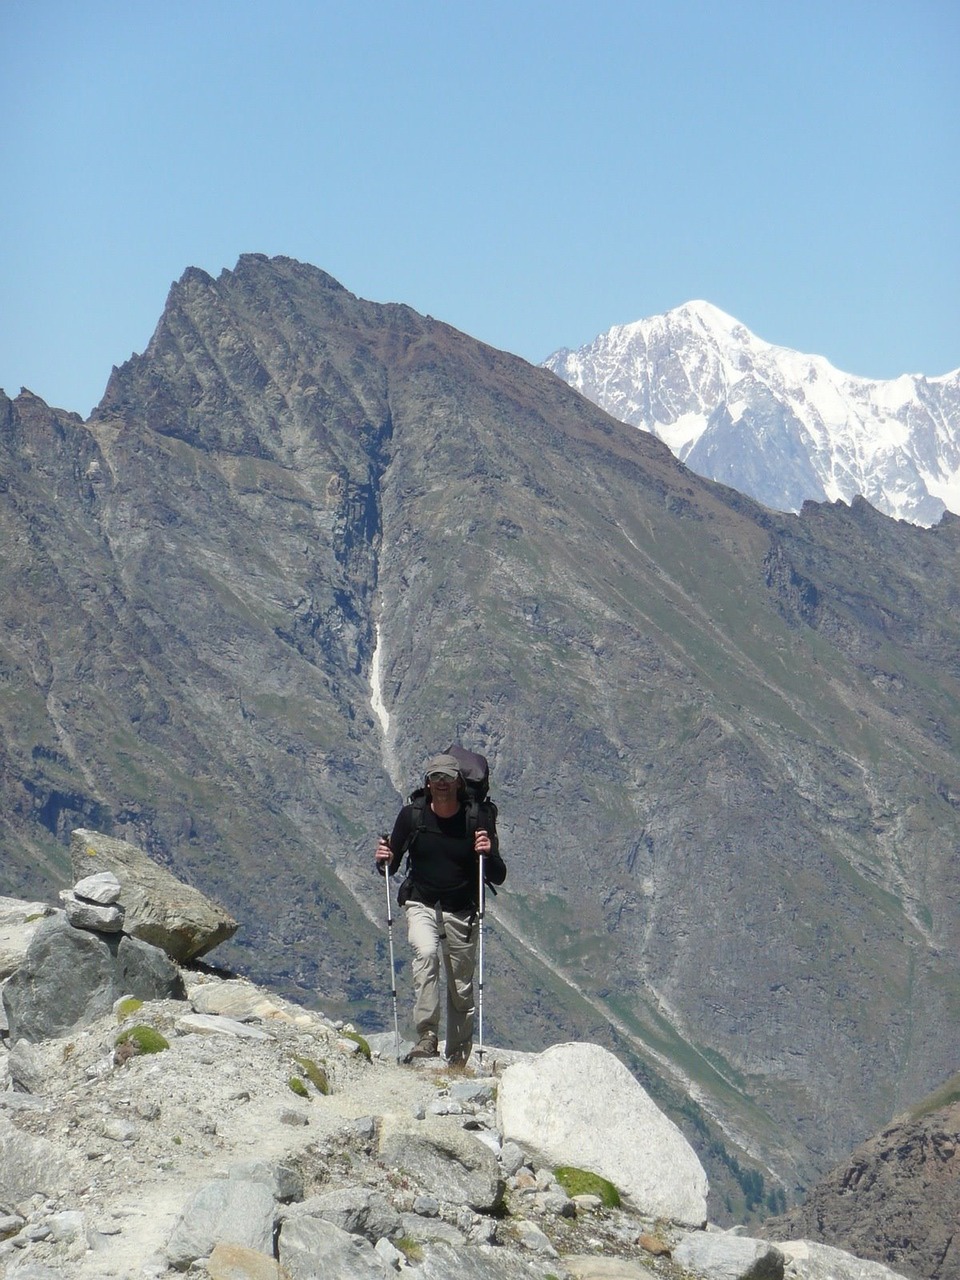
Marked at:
<point>723,740</point>
<point>896,1198</point>
<point>783,427</point>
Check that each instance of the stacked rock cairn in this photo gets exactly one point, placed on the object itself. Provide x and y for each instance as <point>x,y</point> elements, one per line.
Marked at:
<point>94,903</point>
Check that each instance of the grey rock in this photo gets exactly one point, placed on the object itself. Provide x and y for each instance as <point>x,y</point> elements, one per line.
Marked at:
<point>118,1129</point>
<point>102,887</point>
<point>68,977</point>
<point>284,1181</point>
<point>19,921</point>
<point>427,1229</point>
<point>479,1092</point>
<point>313,1249</point>
<point>91,915</point>
<point>355,1210</point>
<point>29,1165</point>
<point>446,1161</point>
<point>364,1127</point>
<point>234,998</point>
<point>446,1107</point>
<point>231,1211</point>
<point>810,1260</point>
<point>722,1256</point>
<point>390,1254</point>
<point>67,1225</point>
<point>512,1158</point>
<point>31,1066</point>
<point>531,1237</point>
<point>486,1136</point>
<point>215,1024</point>
<point>11,1101</point>
<point>158,907</point>
<point>558,1203</point>
<point>296,1119</point>
<point>613,1129</point>
<point>443,1261</point>
<point>146,971</point>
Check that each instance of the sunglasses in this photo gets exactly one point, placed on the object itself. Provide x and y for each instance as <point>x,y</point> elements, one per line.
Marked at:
<point>440,777</point>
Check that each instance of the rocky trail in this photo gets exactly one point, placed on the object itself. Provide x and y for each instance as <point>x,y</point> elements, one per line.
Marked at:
<point>158,1116</point>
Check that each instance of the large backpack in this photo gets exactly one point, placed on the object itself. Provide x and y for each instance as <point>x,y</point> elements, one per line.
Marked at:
<point>480,809</point>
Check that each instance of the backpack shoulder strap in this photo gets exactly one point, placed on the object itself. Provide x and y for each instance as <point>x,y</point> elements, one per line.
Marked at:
<point>418,804</point>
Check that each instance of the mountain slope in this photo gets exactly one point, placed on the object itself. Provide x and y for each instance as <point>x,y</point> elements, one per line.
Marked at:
<point>896,1199</point>
<point>723,741</point>
<point>777,425</point>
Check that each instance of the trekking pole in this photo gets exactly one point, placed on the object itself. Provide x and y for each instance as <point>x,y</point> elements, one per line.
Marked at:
<point>393,967</point>
<point>481,901</point>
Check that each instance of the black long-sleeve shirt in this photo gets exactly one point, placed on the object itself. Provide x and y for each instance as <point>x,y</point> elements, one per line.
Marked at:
<point>443,863</point>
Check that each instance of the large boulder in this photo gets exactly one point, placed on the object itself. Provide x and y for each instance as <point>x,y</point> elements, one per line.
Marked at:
<point>576,1104</point>
<point>68,977</point>
<point>158,908</point>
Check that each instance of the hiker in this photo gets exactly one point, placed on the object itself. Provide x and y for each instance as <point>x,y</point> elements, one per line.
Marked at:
<point>440,896</point>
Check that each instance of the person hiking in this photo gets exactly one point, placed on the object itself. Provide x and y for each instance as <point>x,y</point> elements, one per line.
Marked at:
<point>440,898</point>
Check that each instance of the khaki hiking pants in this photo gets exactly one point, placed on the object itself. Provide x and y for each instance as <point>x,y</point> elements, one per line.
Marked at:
<point>444,947</point>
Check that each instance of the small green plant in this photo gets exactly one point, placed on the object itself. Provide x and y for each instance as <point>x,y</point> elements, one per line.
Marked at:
<point>358,1039</point>
<point>145,1039</point>
<point>126,1008</point>
<point>410,1248</point>
<point>314,1073</point>
<point>580,1182</point>
<point>298,1087</point>
<point>177,1141</point>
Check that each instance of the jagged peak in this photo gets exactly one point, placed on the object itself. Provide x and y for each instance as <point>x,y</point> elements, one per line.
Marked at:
<point>195,275</point>
<point>254,264</point>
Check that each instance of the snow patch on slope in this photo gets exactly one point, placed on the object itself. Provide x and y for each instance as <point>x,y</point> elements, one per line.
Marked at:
<point>387,752</point>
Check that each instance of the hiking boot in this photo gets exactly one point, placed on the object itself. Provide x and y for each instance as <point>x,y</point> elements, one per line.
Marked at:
<point>426,1047</point>
<point>459,1057</point>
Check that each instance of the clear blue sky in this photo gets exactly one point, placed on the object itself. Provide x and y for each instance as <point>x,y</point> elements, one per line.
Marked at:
<point>532,173</point>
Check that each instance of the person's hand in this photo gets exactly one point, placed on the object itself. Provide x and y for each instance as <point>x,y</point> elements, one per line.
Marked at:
<point>384,852</point>
<point>481,842</point>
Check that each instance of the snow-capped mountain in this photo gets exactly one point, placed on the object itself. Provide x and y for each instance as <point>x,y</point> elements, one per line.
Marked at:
<point>777,425</point>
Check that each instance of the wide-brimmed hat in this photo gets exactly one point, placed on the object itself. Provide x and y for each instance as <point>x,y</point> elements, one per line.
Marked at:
<point>447,765</point>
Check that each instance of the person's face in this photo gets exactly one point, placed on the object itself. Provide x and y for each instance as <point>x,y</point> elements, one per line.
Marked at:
<point>442,787</point>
